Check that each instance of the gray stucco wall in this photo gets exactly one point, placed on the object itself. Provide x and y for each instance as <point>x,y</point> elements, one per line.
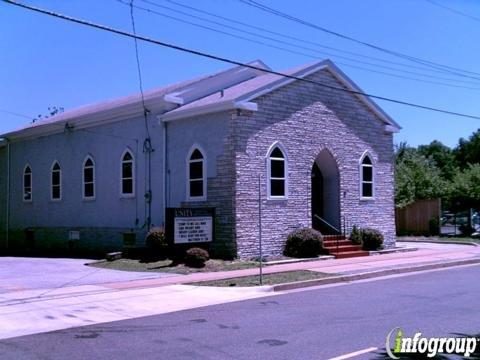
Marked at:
<point>307,119</point>
<point>109,212</point>
<point>213,134</point>
<point>3,195</point>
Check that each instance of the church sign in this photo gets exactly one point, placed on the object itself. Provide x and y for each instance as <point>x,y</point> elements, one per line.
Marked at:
<point>190,225</point>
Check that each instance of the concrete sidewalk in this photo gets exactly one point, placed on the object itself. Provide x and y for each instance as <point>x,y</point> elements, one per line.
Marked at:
<point>426,253</point>
<point>40,310</point>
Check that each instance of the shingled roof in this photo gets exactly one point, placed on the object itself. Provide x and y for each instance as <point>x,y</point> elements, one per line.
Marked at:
<point>234,88</point>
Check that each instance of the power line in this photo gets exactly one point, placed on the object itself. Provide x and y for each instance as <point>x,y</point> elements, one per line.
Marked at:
<point>233,62</point>
<point>297,39</point>
<point>457,12</point>
<point>139,71</point>
<point>17,114</point>
<point>303,53</point>
<point>445,68</point>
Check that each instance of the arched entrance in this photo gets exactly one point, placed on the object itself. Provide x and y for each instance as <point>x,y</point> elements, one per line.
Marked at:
<point>325,194</point>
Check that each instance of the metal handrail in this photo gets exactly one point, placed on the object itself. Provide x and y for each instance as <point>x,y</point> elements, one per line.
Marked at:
<point>345,228</point>
<point>327,223</point>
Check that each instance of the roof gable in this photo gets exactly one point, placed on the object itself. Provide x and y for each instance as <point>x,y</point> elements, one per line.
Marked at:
<point>240,96</point>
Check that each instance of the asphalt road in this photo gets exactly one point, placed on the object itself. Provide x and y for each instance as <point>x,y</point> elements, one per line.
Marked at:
<point>314,324</point>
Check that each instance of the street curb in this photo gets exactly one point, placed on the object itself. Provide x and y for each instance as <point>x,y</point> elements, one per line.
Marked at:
<point>468,243</point>
<point>96,262</point>
<point>369,275</point>
<point>392,251</point>
<point>293,261</point>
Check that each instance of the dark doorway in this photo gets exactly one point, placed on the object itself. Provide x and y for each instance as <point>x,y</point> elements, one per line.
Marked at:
<point>325,180</point>
<point>317,191</point>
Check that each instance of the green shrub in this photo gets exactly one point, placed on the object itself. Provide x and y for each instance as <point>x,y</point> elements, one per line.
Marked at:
<point>196,257</point>
<point>156,242</point>
<point>356,235</point>
<point>371,239</point>
<point>304,243</point>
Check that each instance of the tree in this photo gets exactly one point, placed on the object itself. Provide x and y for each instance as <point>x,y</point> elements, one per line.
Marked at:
<point>442,156</point>
<point>465,188</point>
<point>416,177</point>
<point>468,151</point>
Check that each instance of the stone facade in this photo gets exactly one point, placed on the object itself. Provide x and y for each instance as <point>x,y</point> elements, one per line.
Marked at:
<point>307,119</point>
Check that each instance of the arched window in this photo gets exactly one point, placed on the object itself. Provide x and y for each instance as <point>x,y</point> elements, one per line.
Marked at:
<point>27,183</point>
<point>277,173</point>
<point>196,176</point>
<point>56,182</point>
<point>366,178</point>
<point>127,174</point>
<point>88,179</point>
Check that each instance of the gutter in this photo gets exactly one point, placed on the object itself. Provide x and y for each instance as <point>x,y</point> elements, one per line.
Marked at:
<point>164,182</point>
<point>7,214</point>
<point>208,109</point>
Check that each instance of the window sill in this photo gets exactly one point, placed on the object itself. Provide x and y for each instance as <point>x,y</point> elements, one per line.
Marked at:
<point>196,199</point>
<point>277,198</point>
<point>367,199</point>
<point>127,196</point>
<point>89,199</point>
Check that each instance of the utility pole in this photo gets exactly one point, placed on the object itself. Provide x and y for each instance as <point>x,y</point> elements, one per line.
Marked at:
<point>260,227</point>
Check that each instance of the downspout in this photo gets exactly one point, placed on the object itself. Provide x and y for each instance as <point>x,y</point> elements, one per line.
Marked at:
<point>165,176</point>
<point>7,227</point>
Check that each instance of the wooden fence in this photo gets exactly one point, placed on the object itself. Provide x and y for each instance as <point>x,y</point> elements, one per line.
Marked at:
<point>414,219</point>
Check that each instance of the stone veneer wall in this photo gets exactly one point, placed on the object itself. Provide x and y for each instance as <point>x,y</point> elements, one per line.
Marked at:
<point>306,119</point>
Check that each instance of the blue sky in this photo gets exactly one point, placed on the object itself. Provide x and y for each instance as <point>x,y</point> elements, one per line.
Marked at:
<point>49,62</point>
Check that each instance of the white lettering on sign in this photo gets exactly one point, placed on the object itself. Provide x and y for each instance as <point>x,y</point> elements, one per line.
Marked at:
<point>193,229</point>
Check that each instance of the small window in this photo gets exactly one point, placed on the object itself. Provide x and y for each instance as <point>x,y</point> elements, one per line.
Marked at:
<point>127,174</point>
<point>89,179</point>
<point>56,182</point>
<point>196,176</point>
<point>366,178</point>
<point>277,174</point>
<point>27,183</point>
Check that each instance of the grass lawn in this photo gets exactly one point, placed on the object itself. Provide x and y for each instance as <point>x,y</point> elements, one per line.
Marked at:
<point>268,279</point>
<point>168,266</point>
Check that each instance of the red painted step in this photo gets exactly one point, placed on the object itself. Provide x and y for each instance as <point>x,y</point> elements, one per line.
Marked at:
<point>340,247</point>
<point>334,237</point>
<point>334,243</point>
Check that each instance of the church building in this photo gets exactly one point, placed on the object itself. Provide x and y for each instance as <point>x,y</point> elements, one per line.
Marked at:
<point>259,149</point>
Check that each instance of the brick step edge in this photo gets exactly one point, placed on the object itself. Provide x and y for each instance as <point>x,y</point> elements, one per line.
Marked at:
<point>340,242</point>
<point>342,248</point>
<point>371,274</point>
<point>334,237</point>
